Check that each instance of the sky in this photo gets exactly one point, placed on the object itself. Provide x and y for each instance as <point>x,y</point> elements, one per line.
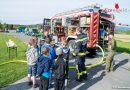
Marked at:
<point>33,11</point>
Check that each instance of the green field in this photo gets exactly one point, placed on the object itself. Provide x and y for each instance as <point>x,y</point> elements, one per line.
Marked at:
<point>123,46</point>
<point>12,72</point>
<point>122,32</point>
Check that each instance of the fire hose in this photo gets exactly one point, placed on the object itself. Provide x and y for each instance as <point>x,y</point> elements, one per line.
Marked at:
<point>13,61</point>
<point>70,67</point>
<point>93,65</point>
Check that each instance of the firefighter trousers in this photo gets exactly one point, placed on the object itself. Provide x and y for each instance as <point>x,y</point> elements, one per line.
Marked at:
<point>81,69</point>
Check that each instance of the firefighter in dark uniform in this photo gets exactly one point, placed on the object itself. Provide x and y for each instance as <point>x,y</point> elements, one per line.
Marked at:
<point>111,53</point>
<point>80,52</point>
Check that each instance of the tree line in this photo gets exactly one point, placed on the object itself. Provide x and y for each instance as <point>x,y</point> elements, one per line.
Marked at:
<point>5,26</point>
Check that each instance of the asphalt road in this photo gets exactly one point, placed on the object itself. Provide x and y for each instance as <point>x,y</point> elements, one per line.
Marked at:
<point>97,79</point>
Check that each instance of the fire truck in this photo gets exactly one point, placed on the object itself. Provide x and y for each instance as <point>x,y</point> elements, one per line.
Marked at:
<point>93,21</point>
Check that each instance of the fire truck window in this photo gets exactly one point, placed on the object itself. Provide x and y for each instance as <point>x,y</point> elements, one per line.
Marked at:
<point>85,21</point>
<point>88,20</point>
<point>75,22</point>
<point>86,31</point>
<point>71,30</point>
<point>102,32</point>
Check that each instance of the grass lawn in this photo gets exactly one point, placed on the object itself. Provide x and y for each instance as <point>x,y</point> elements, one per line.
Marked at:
<point>123,46</point>
<point>122,32</point>
<point>10,73</point>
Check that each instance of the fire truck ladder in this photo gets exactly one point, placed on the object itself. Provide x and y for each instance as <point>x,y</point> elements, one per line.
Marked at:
<point>94,29</point>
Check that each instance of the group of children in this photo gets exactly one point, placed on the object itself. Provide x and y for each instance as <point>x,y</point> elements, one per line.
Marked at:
<point>44,60</point>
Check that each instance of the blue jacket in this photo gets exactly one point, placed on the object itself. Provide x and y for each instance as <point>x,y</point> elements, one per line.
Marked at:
<point>43,66</point>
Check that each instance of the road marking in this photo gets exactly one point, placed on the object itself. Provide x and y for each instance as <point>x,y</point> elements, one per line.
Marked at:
<point>78,86</point>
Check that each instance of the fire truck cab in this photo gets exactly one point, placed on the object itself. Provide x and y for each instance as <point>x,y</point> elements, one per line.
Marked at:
<point>93,21</point>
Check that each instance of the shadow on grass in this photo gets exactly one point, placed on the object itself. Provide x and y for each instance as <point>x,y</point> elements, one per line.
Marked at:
<point>120,49</point>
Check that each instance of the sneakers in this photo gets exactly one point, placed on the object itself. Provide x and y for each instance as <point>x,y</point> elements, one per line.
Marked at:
<point>79,80</point>
<point>106,72</point>
<point>30,83</point>
<point>35,86</point>
<point>50,86</point>
<point>85,76</point>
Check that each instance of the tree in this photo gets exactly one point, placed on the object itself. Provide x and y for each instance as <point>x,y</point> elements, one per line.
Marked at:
<point>0,25</point>
<point>4,26</point>
<point>10,26</point>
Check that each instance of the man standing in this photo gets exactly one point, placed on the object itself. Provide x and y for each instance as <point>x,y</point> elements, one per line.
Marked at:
<point>111,53</point>
<point>80,53</point>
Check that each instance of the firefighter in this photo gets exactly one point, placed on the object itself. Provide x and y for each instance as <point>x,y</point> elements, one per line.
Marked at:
<point>80,53</point>
<point>111,53</point>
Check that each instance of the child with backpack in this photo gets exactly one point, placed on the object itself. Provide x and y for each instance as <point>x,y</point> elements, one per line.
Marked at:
<point>59,70</point>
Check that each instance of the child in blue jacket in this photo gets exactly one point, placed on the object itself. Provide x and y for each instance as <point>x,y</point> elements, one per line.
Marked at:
<point>44,69</point>
<point>52,56</point>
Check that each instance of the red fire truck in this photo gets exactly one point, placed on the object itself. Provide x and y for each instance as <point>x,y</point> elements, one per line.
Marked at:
<point>94,22</point>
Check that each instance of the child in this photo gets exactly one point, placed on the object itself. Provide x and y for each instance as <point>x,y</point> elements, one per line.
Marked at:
<point>32,56</point>
<point>59,70</point>
<point>52,56</point>
<point>43,69</point>
<point>66,52</point>
<point>42,42</point>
